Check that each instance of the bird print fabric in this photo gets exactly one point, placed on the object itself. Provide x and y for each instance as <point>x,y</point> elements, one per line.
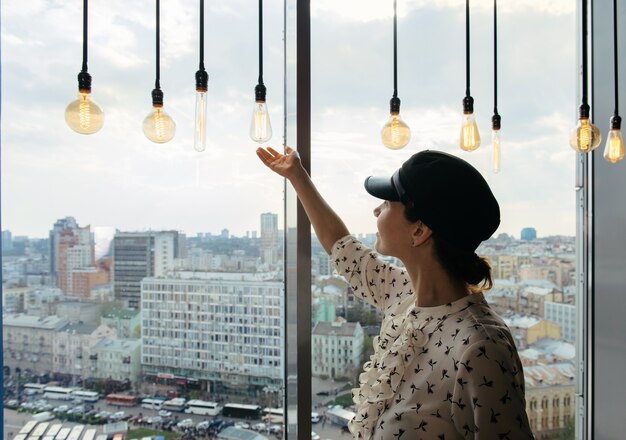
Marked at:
<point>445,372</point>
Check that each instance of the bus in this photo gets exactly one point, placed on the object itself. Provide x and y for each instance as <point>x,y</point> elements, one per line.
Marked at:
<point>242,411</point>
<point>90,434</point>
<point>121,399</point>
<point>177,404</point>
<point>273,415</point>
<point>76,432</point>
<point>28,427</point>
<point>40,430</point>
<point>155,403</point>
<point>63,433</point>
<point>203,408</point>
<point>33,388</point>
<point>57,393</point>
<point>54,429</point>
<point>20,437</point>
<point>86,396</point>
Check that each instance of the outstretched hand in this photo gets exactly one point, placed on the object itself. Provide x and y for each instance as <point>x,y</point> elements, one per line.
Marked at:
<point>286,165</point>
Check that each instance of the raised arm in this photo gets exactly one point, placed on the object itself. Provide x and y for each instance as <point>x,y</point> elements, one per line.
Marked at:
<point>326,223</point>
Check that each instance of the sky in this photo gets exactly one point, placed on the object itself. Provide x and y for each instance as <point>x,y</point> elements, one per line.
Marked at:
<point>118,179</point>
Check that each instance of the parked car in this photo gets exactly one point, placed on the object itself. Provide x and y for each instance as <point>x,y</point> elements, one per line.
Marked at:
<point>315,417</point>
<point>61,409</point>
<point>156,420</point>
<point>165,413</point>
<point>204,425</point>
<point>186,423</point>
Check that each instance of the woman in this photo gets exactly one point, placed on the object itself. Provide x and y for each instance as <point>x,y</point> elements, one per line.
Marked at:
<point>444,365</point>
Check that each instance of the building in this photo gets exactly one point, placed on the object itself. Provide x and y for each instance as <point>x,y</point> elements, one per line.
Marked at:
<point>78,311</point>
<point>28,341</point>
<point>126,322</point>
<point>225,330</point>
<point>337,348</point>
<point>71,348</point>
<point>528,234</point>
<point>53,242</point>
<point>137,255</point>
<point>269,238</point>
<point>564,315</point>
<point>117,359</point>
<point>84,280</point>
<point>527,329</point>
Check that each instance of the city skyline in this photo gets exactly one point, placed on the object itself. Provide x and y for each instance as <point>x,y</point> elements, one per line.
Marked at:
<point>118,179</point>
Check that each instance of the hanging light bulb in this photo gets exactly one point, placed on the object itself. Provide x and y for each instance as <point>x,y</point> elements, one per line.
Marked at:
<point>260,126</point>
<point>586,136</point>
<point>202,79</point>
<point>614,149</point>
<point>395,134</point>
<point>158,126</point>
<point>470,138</point>
<point>83,115</point>
<point>495,142</point>
<point>199,139</point>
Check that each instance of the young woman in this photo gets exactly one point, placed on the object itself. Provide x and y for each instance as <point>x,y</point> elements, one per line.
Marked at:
<point>445,365</point>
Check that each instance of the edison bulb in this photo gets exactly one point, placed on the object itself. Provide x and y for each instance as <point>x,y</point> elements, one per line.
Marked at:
<point>260,127</point>
<point>585,137</point>
<point>470,138</point>
<point>83,115</point>
<point>614,149</point>
<point>199,139</point>
<point>495,157</point>
<point>395,134</point>
<point>158,126</point>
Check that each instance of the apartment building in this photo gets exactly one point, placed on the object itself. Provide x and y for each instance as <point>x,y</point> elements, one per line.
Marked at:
<point>337,348</point>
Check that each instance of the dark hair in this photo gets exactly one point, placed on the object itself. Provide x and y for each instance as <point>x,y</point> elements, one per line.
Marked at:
<point>461,264</point>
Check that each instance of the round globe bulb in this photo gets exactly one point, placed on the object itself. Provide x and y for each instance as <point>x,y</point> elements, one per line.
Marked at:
<point>83,115</point>
<point>395,134</point>
<point>158,126</point>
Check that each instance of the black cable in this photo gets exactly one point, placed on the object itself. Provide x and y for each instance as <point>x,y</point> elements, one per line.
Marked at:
<point>201,34</point>
<point>495,57</point>
<point>584,54</point>
<point>467,49</point>
<point>616,112</point>
<point>84,68</point>
<point>260,41</point>
<point>395,50</point>
<point>157,83</point>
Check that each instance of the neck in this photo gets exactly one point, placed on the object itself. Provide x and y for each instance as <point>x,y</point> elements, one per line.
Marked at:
<point>433,286</point>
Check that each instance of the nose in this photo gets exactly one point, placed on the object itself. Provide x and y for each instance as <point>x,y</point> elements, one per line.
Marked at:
<point>377,210</point>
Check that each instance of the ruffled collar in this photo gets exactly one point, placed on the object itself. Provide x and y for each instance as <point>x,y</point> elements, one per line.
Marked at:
<point>400,338</point>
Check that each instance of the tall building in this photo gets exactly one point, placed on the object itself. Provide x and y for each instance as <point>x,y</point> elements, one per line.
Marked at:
<point>55,233</point>
<point>528,234</point>
<point>7,241</point>
<point>75,251</point>
<point>224,330</point>
<point>269,238</point>
<point>137,255</point>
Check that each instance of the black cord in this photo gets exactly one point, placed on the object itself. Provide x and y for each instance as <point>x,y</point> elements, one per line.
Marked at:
<point>467,49</point>
<point>260,41</point>
<point>157,83</point>
<point>616,112</point>
<point>84,68</point>
<point>584,54</point>
<point>495,57</point>
<point>395,50</point>
<point>201,34</point>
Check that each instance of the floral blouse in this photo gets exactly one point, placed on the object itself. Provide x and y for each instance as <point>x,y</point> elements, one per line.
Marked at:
<point>444,372</point>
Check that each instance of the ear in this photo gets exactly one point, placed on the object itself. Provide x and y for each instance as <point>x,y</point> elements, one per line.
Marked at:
<point>421,233</point>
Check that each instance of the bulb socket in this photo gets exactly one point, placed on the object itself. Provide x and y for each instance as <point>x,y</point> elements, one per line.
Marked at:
<point>259,92</point>
<point>583,111</point>
<point>202,80</point>
<point>468,105</point>
<point>394,105</point>
<point>495,122</point>
<point>616,122</point>
<point>157,98</point>
<point>84,82</point>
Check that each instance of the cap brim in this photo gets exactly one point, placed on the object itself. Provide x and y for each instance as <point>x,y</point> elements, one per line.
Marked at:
<point>382,188</point>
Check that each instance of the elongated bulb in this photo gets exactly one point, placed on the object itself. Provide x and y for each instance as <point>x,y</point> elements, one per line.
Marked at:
<point>470,138</point>
<point>260,127</point>
<point>614,149</point>
<point>83,115</point>
<point>585,137</point>
<point>395,134</point>
<point>495,157</point>
<point>199,139</point>
<point>158,126</point>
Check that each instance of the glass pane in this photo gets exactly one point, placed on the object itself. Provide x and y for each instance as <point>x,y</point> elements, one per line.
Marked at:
<point>135,267</point>
<point>533,251</point>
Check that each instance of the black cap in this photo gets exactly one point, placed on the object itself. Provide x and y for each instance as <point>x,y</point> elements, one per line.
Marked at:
<point>448,194</point>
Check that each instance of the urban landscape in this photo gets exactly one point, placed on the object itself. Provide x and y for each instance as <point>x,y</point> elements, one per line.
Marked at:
<point>183,335</point>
